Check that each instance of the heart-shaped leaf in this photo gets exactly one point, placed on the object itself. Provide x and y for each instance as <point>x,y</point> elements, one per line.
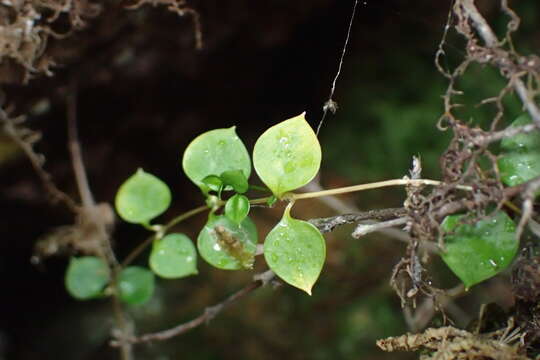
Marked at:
<point>86,277</point>
<point>213,153</point>
<point>142,197</point>
<point>519,160</point>
<point>295,250</point>
<point>136,285</point>
<point>287,156</point>
<point>173,256</point>
<point>480,251</point>
<point>237,208</point>
<point>228,245</point>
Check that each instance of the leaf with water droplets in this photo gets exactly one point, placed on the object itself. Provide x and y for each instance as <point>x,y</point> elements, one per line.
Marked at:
<point>287,156</point>
<point>173,257</point>
<point>295,250</point>
<point>228,245</point>
<point>480,251</point>
<point>136,285</point>
<point>519,160</point>
<point>142,197</point>
<point>86,277</point>
<point>213,153</point>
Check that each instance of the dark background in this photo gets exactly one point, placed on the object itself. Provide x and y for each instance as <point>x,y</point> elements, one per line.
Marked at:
<point>145,91</point>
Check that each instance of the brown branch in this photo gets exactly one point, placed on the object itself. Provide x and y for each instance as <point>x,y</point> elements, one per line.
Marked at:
<point>75,149</point>
<point>328,224</point>
<point>471,13</point>
<point>25,139</point>
<point>207,315</point>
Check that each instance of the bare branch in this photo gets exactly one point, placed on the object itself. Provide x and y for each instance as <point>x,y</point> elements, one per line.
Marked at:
<point>364,229</point>
<point>25,139</point>
<point>468,9</point>
<point>207,315</point>
<point>328,224</point>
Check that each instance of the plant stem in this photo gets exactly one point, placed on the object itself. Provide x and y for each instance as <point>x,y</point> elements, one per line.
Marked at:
<point>374,185</point>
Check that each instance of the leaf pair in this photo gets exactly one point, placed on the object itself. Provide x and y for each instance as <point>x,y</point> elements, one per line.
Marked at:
<point>286,156</point>
<point>87,277</point>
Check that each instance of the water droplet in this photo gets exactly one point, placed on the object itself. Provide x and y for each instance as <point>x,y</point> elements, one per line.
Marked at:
<point>493,263</point>
<point>189,259</point>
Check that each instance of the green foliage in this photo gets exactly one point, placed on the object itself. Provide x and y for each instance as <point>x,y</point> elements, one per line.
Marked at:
<point>520,157</point>
<point>142,197</point>
<point>287,155</point>
<point>174,256</point>
<point>480,251</point>
<point>236,180</point>
<point>213,153</point>
<point>295,250</point>
<point>237,208</point>
<point>136,285</point>
<point>228,245</point>
<point>86,277</point>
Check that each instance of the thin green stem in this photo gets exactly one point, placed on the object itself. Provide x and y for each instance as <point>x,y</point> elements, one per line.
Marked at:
<point>374,185</point>
<point>184,216</point>
<point>161,231</point>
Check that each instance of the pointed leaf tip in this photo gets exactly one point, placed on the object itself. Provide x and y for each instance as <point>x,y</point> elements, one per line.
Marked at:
<point>287,155</point>
<point>295,250</point>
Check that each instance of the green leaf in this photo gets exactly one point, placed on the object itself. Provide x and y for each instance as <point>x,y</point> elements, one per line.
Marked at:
<point>236,180</point>
<point>213,183</point>
<point>522,141</point>
<point>142,197</point>
<point>237,208</point>
<point>519,160</point>
<point>86,277</point>
<point>287,156</point>
<point>213,153</point>
<point>227,245</point>
<point>136,285</point>
<point>295,250</point>
<point>173,257</point>
<point>480,251</point>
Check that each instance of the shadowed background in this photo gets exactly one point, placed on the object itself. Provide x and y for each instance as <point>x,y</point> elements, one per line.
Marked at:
<point>145,92</point>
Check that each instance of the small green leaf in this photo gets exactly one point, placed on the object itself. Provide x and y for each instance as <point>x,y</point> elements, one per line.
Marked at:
<point>86,277</point>
<point>173,257</point>
<point>295,250</point>
<point>136,285</point>
<point>287,156</point>
<point>227,245</point>
<point>520,158</point>
<point>213,153</point>
<point>213,183</point>
<point>236,180</point>
<point>237,208</point>
<point>478,252</point>
<point>142,197</point>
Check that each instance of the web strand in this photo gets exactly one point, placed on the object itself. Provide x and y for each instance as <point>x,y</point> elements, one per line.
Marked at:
<point>330,104</point>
